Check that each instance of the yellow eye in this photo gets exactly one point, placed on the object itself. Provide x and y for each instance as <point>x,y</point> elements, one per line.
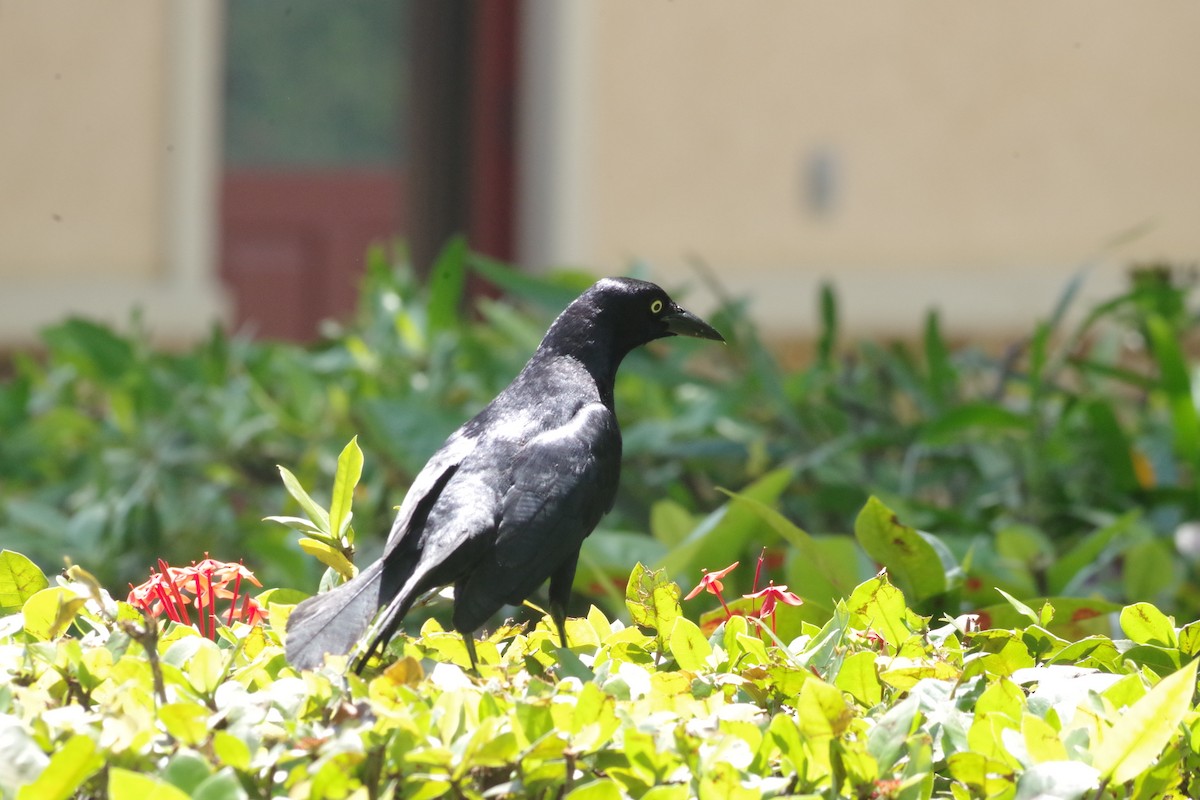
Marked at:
<point>656,306</point>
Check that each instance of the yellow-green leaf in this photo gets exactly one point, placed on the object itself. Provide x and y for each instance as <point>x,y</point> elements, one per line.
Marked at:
<point>859,677</point>
<point>1145,624</point>
<point>821,710</point>
<point>20,579</point>
<point>1136,740</point>
<point>349,470</point>
<point>329,556</point>
<point>49,612</point>
<point>69,767</point>
<point>688,645</point>
<point>187,722</point>
<point>1042,742</point>
<point>124,784</point>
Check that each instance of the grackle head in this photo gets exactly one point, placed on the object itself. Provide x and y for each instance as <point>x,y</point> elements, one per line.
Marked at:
<point>635,312</point>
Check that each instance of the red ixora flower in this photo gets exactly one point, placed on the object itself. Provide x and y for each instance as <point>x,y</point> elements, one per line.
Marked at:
<point>711,582</point>
<point>171,590</point>
<point>771,596</point>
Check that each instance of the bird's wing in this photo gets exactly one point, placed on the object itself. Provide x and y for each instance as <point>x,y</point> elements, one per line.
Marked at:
<point>428,485</point>
<point>563,481</point>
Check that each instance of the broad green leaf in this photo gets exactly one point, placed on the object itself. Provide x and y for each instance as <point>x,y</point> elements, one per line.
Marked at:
<point>887,738</point>
<point>1134,742</point>
<point>231,750</point>
<point>71,764</point>
<point>821,710</point>
<point>187,770</point>
<point>859,678</point>
<point>224,785</point>
<point>187,722</point>
<point>653,601</point>
<point>910,559</point>
<point>206,666</point>
<point>600,789</point>
<point>20,579</point>
<point>124,784</point>
<point>1145,624</point>
<point>330,556</point>
<point>50,612</point>
<point>318,515</point>
<point>1189,639</point>
<point>1042,742</point>
<point>983,775</point>
<point>688,645</point>
<point>878,606</point>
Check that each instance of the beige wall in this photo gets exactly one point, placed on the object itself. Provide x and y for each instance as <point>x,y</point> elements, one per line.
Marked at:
<point>108,163</point>
<point>81,150</point>
<point>977,153</point>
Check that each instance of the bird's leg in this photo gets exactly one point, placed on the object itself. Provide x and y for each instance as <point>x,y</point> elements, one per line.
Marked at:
<point>560,592</point>
<point>469,641</point>
<point>559,614</point>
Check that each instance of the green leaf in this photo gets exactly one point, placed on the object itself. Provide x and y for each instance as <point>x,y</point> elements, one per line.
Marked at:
<point>858,677</point>
<point>187,722</point>
<point>20,579</point>
<point>124,784</point>
<point>328,555</point>
<point>231,750</point>
<point>50,612</point>
<point>601,789</point>
<point>187,770</point>
<point>1134,742</point>
<point>349,470</point>
<point>72,763</point>
<point>821,710</point>
<point>1145,624</point>
<point>911,560</point>
<point>878,606</point>
<point>1021,608</point>
<point>318,515</point>
<point>653,601</point>
<point>224,785</point>
<point>688,645</point>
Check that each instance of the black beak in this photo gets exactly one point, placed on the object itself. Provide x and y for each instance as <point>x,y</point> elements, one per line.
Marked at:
<point>685,323</point>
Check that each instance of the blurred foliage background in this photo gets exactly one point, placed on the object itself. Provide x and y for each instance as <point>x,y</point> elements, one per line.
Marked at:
<point>1064,465</point>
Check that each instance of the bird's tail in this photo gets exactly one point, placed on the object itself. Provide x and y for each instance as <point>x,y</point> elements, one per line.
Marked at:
<point>333,622</point>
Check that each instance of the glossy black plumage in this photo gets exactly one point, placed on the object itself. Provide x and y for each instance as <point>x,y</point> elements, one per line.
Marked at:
<point>507,501</point>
